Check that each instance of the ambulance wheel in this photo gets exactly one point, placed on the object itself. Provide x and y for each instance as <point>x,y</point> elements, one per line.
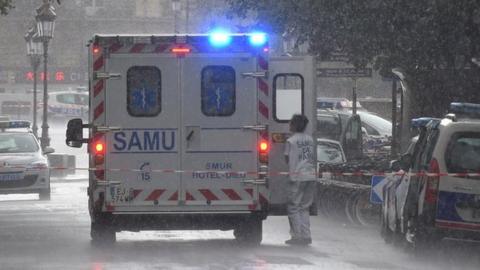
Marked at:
<point>44,194</point>
<point>249,232</point>
<point>102,234</point>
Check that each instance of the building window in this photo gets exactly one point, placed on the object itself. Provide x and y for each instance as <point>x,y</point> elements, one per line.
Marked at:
<point>218,91</point>
<point>143,91</point>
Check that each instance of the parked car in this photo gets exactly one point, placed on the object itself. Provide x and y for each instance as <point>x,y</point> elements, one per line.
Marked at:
<point>68,104</point>
<point>376,130</point>
<point>336,103</point>
<point>440,197</point>
<point>23,166</point>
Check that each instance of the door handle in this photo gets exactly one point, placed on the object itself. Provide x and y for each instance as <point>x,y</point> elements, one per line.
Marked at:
<point>190,135</point>
<point>256,127</point>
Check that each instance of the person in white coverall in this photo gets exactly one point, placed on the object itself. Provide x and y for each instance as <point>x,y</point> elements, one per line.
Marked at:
<point>299,156</point>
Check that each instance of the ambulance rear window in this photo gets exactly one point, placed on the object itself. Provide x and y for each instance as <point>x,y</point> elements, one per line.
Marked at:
<point>287,96</point>
<point>143,91</point>
<point>218,91</point>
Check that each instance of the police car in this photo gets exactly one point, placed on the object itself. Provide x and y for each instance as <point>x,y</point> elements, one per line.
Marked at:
<point>441,196</point>
<point>23,165</point>
<point>68,104</point>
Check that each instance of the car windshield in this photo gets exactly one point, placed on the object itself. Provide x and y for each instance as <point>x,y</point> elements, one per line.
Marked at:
<point>381,125</point>
<point>17,143</point>
<point>329,153</point>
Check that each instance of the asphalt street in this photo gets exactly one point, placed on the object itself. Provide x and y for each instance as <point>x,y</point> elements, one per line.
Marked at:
<point>54,234</point>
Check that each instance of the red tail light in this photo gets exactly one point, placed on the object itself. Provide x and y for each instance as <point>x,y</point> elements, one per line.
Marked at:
<point>432,182</point>
<point>96,49</point>
<point>99,153</point>
<point>263,148</point>
<point>180,50</point>
<point>99,148</point>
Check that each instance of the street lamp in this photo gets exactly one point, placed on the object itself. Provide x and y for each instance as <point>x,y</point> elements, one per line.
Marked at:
<point>176,9</point>
<point>45,26</point>
<point>34,52</point>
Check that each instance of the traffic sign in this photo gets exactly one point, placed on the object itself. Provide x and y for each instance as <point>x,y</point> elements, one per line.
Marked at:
<point>344,72</point>
<point>376,192</point>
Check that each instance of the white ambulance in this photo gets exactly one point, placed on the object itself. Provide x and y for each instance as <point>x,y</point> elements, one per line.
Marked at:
<point>188,131</point>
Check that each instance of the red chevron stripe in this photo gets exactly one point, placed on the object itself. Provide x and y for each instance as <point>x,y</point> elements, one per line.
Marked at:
<point>232,195</point>
<point>263,109</point>
<point>137,48</point>
<point>208,195</point>
<point>97,89</point>
<point>98,64</point>
<point>262,199</point>
<point>263,86</point>
<point>250,191</point>
<point>115,47</point>
<point>174,196</point>
<point>155,195</point>
<point>161,48</point>
<point>189,197</point>
<point>98,110</point>
<point>136,192</point>
<point>262,63</point>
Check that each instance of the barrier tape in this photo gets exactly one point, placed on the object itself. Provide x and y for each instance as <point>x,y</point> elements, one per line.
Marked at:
<point>326,173</point>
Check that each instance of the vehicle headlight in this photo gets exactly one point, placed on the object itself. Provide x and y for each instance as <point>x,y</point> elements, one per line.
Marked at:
<point>37,165</point>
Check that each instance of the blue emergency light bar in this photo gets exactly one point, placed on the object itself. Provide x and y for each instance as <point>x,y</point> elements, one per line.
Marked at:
<point>14,124</point>
<point>220,38</point>
<point>422,121</point>
<point>470,109</point>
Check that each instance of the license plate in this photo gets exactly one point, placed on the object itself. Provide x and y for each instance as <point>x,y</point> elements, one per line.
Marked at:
<point>121,195</point>
<point>10,176</point>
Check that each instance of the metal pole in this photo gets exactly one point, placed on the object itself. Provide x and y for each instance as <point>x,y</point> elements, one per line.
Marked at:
<point>354,96</point>
<point>35,64</point>
<point>175,20</point>
<point>187,17</point>
<point>393,147</point>
<point>45,140</point>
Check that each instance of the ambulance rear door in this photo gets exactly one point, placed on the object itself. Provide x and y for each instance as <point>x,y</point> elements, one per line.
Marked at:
<point>292,80</point>
<point>219,153</point>
<point>143,155</point>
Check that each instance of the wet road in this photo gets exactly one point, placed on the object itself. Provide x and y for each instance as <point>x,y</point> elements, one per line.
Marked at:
<point>55,235</point>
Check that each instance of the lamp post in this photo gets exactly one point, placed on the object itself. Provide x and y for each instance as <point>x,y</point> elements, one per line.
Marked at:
<point>34,52</point>
<point>46,26</point>
<point>176,9</point>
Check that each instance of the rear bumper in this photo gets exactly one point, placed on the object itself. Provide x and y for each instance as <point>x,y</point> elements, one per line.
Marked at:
<point>31,183</point>
<point>457,230</point>
<point>176,221</point>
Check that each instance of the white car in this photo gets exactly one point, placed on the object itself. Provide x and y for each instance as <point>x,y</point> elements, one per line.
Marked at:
<point>68,104</point>
<point>24,167</point>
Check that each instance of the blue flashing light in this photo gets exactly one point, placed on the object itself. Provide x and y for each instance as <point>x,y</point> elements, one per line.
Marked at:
<point>257,39</point>
<point>422,121</point>
<point>219,39</point>
<point>465,108</point>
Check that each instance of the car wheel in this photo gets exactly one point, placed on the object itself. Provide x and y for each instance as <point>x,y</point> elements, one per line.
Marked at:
<point>102,234</point>
<point>101,231</point>
<point>44,195</point>
<point>385,231</point>
<point>249,232</point>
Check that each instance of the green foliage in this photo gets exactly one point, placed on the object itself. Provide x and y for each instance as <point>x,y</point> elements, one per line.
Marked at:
<point>432,40</point>
<point>420,34</point>
<point>5,6</point>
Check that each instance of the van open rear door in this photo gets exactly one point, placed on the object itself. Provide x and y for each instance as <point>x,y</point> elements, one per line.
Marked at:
<point>292,80</point>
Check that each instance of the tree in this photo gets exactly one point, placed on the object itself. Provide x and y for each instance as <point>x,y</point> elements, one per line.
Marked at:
<point>5,6</point>
<point>432,40</point>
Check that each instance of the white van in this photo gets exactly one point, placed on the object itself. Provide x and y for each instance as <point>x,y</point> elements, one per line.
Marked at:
<point>188,131</point>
